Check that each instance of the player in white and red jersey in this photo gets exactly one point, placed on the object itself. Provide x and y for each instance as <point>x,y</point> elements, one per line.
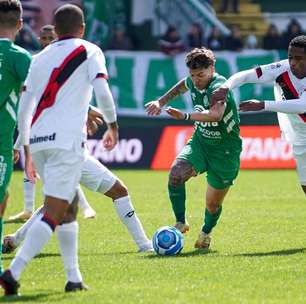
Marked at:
<point>46,36</point>
<point>289,78</point>
<point>59,88</point>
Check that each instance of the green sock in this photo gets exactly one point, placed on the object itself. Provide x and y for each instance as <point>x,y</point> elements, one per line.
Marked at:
<point>1,237</point>
<point>210,220</point>
<point>177,195</point>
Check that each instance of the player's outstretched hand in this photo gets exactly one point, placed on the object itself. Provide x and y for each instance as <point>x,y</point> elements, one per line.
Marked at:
<point>175,113</point>
<point>16,156</point>
<point>153,108</point>
<point>219,95</point>
<point>251,105</point>
<point>110,139</point>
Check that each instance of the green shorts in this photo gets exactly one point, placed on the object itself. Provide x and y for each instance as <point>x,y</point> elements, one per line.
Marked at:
<point>6,162</point>
<point>221,165</point>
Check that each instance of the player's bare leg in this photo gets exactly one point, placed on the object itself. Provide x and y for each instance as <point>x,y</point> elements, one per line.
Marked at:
<point>180,172</point>
<point>214,199</point>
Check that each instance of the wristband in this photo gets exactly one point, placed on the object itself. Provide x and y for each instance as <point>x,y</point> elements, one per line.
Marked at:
<point>186,116</point>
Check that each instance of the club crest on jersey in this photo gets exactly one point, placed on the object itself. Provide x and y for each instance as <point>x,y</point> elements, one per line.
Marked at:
<point>205,101</point>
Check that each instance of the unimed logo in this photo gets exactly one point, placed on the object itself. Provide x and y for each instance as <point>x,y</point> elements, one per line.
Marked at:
<point>127,150</point>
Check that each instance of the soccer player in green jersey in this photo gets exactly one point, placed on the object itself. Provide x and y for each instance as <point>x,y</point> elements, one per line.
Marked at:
<point>215,145</point>
<point>14,64</point>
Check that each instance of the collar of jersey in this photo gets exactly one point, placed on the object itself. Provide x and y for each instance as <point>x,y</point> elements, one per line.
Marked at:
<point>65,38</point>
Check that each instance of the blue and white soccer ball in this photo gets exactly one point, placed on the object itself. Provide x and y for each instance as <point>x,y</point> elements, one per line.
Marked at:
<point>168,241</point>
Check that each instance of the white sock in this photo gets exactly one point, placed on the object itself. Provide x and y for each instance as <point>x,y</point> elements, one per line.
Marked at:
<point>82,199</point>
<point>20,234</point>
<point>67,235</point>
<point>127,215</point>
<point>37,237</point>
<point>29,194</point>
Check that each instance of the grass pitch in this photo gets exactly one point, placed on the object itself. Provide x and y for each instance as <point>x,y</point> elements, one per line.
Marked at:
<point>258,252</point>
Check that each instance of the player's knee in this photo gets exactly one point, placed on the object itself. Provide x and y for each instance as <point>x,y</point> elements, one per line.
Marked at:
<point>117,191</point>
<point>72,211</point>
<point>212,206</point>
<point>175,177</point>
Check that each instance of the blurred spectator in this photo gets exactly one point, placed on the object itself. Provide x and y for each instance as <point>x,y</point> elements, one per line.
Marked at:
<point>293,29</point>
<point>37,13</point>
<point>46,35</point>
<point>272,40</point>
<point>120,41</point>
<point>251,42</point>
<point>225,4</point>
<point>215,41</point>
<point>171,43</point>
<point>195,36</point>
<point>234,41</point>
<point>27,39</point>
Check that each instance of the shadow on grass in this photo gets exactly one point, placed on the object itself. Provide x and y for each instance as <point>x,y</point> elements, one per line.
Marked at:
<point>182,254</point>
<point>273,253</point>
<point>40,256</point>
<point>28,298</point>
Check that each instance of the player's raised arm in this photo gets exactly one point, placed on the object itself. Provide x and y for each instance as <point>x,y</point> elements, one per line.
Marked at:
<point>291,106</point>
<point>153,108</point>
<point>261,74</point>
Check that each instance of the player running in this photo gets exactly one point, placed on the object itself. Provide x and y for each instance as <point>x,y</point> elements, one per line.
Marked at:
<point>215,145</point>
<point>14,64</point>
<point>289,78</point>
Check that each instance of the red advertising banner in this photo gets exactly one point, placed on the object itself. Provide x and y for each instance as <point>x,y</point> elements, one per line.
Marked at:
<point>263,147</point>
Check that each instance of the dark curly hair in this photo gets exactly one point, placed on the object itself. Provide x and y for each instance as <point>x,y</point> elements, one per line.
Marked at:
<point>299,41</point>
<point>200,58</point>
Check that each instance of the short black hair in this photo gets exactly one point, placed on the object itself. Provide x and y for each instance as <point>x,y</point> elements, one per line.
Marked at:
<point>10,13</point>
<point>299,41</point>
<point>200,58</point>
<point>47,27</point>
<point>68,19</point>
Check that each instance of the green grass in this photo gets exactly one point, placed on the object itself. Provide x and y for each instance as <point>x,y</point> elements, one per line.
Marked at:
<point>258,254</point>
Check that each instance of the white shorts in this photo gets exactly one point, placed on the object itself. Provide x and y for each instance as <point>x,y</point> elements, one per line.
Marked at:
<point>95,176</point>
<point>60,171</point>
<point>299,153</point>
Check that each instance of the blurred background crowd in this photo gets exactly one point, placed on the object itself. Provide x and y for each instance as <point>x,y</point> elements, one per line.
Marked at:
<point>169,26</point>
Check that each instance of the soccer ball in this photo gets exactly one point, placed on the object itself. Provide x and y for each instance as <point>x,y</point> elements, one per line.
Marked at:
<point>168,241</point>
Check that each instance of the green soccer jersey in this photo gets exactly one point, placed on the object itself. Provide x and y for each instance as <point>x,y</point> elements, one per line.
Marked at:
<point>222,134</point>
<point>14,65</point>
